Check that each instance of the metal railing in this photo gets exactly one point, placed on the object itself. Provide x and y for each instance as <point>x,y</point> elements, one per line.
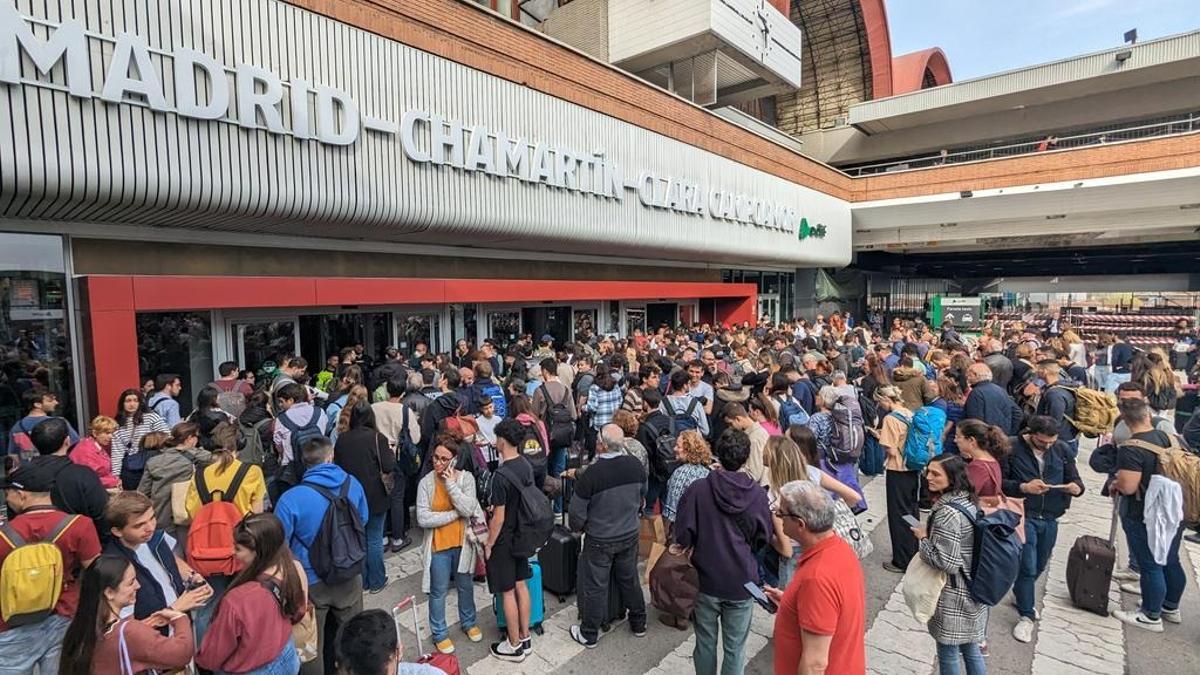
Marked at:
<point>1180,124</point>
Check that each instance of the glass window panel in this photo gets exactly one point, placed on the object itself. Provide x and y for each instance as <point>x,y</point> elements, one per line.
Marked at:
<point>35,348</point>
<point>179,343</point>
<point>504,327</point>
<point>414,328</point>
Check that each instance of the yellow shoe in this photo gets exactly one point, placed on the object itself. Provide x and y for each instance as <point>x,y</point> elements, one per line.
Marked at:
<point>446,646</point>
<point>474,634</point>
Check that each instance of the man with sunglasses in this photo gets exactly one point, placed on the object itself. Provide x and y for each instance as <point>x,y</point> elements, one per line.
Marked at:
<point>822,612</point>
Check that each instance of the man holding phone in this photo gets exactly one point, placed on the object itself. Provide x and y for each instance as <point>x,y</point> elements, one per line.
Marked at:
<point>1041,469</point>
<point>822,613</point>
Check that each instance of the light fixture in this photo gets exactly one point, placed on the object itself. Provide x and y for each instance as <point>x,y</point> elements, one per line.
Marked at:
<point>965,193</point>
<point>1123,56</point>
<point>1189,207</point>
<point>1056,216</point>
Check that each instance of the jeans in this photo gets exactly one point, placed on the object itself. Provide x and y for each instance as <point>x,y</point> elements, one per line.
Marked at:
<point>397,513</point>
<point>202,615</point>
<point>343,601</point>
<point>1162,585</point>
<point>1040,536</point>
<point>655,491</point>
<point>787,568</point>
<point>1115,380</point>
<point>601,563</point>
<point>733,617</point>
<point>1072,448</point>
<point>374,575</point>
<point>901,494</point>
<point>287,663</point>
<point>37,644</point>
<point>558,464</point>
<point>443,567</point>
<point>948,657</point>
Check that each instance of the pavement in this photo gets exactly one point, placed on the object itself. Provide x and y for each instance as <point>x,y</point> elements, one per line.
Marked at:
<point>1067,641</point>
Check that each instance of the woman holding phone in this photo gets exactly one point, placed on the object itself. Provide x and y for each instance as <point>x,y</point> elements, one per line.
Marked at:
<point>959,624</point>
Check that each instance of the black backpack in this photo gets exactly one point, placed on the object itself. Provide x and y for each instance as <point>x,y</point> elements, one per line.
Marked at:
<point>662,456</point>
<point>338,550</point>
<point>559,425</point>
<point>408,455</point>
<point>535,516</point>
<point>300,435</point>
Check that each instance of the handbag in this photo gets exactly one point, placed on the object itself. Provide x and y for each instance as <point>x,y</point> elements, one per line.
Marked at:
<point>179,493</point>
<point>674,582</point>
<point>847,527</point>
<point>304,635</point>
<point>922,586</point>
<point>389,480</point>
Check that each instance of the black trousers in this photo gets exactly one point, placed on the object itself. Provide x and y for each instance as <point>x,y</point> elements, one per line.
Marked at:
<point>601,564</point>
<point>901,501</point>
<point>397,513</point>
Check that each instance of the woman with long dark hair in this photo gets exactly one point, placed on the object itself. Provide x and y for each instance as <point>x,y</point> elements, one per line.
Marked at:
<point>251,629</point>
<point>959,624</point>
<point>93,641</point>
<point>983,446</point>
<point>134,420</point>
<point>208,415</point>
<point>365,454</point>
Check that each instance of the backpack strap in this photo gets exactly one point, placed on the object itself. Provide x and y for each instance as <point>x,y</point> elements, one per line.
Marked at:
<point>971,518</point>
<point>546,395</point>
<point>202,487</point>
<point>1158,450</point>
<point>236,483</point>
<point>10,535</point>
<point>66,522</point>
<point>691,409</point>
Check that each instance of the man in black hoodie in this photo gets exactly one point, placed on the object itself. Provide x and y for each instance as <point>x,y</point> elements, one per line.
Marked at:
<point>1041,469</point>
<point>448,404</point>
<point>724,519</point>
<point>77,489</point>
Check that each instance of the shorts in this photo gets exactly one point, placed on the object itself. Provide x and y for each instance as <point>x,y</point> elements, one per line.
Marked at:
<point>504,569</point>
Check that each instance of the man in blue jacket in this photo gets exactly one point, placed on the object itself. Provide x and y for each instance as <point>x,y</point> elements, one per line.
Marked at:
<point>301,510</point>
<point>725,520</point>
<point>1041,469</point>
<point>988,402</point>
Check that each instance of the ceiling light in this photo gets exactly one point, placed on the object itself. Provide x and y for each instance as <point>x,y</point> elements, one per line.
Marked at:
<point>1056,216</point>
<point>1123,56</point>
<point>1189,207</point>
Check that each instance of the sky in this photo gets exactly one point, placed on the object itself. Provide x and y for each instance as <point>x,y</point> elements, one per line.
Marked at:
<point>981,37</point>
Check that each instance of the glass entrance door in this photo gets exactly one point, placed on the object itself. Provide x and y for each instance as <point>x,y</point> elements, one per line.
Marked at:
<point>504,327</point>
<point>256,342</point>
<point>414,327</point>
<point>662,314</point>
<point>553,321</point>
<point>768,305</point>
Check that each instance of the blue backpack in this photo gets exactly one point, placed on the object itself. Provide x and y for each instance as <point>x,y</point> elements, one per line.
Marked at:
<point>997,554</point>
<point>924,439</point>
<point>494,392</point>
<point>685,420</point>
<point>791,413</point>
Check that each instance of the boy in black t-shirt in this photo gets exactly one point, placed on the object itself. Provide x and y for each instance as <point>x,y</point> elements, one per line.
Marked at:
<point>507,572</point>
<point>1161,585</point>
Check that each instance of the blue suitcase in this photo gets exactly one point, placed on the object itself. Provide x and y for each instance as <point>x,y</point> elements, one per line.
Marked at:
<point>537,606</point>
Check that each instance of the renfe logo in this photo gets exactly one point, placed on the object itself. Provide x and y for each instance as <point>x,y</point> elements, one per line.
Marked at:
<point>255,98</point>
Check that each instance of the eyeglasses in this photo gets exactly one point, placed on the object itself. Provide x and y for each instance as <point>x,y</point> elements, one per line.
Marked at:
<point>780,513</point>
<point>442,460</point>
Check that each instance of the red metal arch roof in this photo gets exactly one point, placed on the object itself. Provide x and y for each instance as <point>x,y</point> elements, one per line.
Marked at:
<point>908,70</point>
<point>879,45</point>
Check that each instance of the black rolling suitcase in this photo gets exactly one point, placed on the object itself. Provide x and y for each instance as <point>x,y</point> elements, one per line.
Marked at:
<point>1090,568</point>
<point>560,556</point>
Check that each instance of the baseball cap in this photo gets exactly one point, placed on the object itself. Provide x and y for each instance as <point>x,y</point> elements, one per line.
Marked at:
<point>547,338</point>
<point>32,477</point>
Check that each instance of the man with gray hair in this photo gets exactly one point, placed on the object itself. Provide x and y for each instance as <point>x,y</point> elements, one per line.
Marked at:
<point>606,505</point>
<point>823,632</point>
<point>989,403</point>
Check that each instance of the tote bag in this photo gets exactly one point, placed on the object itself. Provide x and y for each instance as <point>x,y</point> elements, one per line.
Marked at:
<point>922,587</point>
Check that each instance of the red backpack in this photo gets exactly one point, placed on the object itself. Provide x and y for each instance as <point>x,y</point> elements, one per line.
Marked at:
<point>210,540</point>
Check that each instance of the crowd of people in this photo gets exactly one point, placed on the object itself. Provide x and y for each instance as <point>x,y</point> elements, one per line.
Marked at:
<point>241,537</point>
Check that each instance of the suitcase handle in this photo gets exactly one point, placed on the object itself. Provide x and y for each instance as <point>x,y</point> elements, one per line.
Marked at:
<point>1112,528</point>
<point>398,610</point>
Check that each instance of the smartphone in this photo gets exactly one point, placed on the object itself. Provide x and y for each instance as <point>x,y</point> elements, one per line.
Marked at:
<point>912,522</point>
<point>760,597</point>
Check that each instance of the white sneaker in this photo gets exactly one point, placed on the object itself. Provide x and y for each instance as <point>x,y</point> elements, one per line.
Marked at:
<point>1135,617</point>
<point>1037,616</point>
<point>1126,575</point>
<point>1172,616</point>
<point>1023,631</point>
<point>1133,587</point>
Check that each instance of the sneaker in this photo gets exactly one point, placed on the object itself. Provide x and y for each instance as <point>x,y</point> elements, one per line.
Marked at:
<point>474,634</point>
<point>401,544</point>
<point>640,631</point>
<point>506,651</point>
<point>444,646</point>
<point>1023,631</point>
<point>892,568</point>
<point>1135,617</point>
<point>1126,575</point>
<point>1172,615</point>
<point>1193,537</point>
<point>1132,587</point>
<point>577,635</point>
<point>527,644</point>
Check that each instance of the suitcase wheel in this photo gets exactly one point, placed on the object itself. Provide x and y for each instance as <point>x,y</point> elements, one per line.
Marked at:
<point>562,599</point>
<point>538,629</point>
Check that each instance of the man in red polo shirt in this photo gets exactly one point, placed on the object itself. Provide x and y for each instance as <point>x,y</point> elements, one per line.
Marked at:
<point>820,624</point>
<point>29,639</point>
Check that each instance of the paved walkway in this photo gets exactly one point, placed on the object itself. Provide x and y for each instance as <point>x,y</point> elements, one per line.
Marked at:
<point>1068,641</point>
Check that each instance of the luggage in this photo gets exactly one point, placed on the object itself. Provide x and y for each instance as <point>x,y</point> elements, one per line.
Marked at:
<point>1090,567</point>
<point>537,607</point>
<point>616,609</point>
<point>447,663</point>
<point>559,558</point>
<point>675,583</point>
<point>1095,411</point>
